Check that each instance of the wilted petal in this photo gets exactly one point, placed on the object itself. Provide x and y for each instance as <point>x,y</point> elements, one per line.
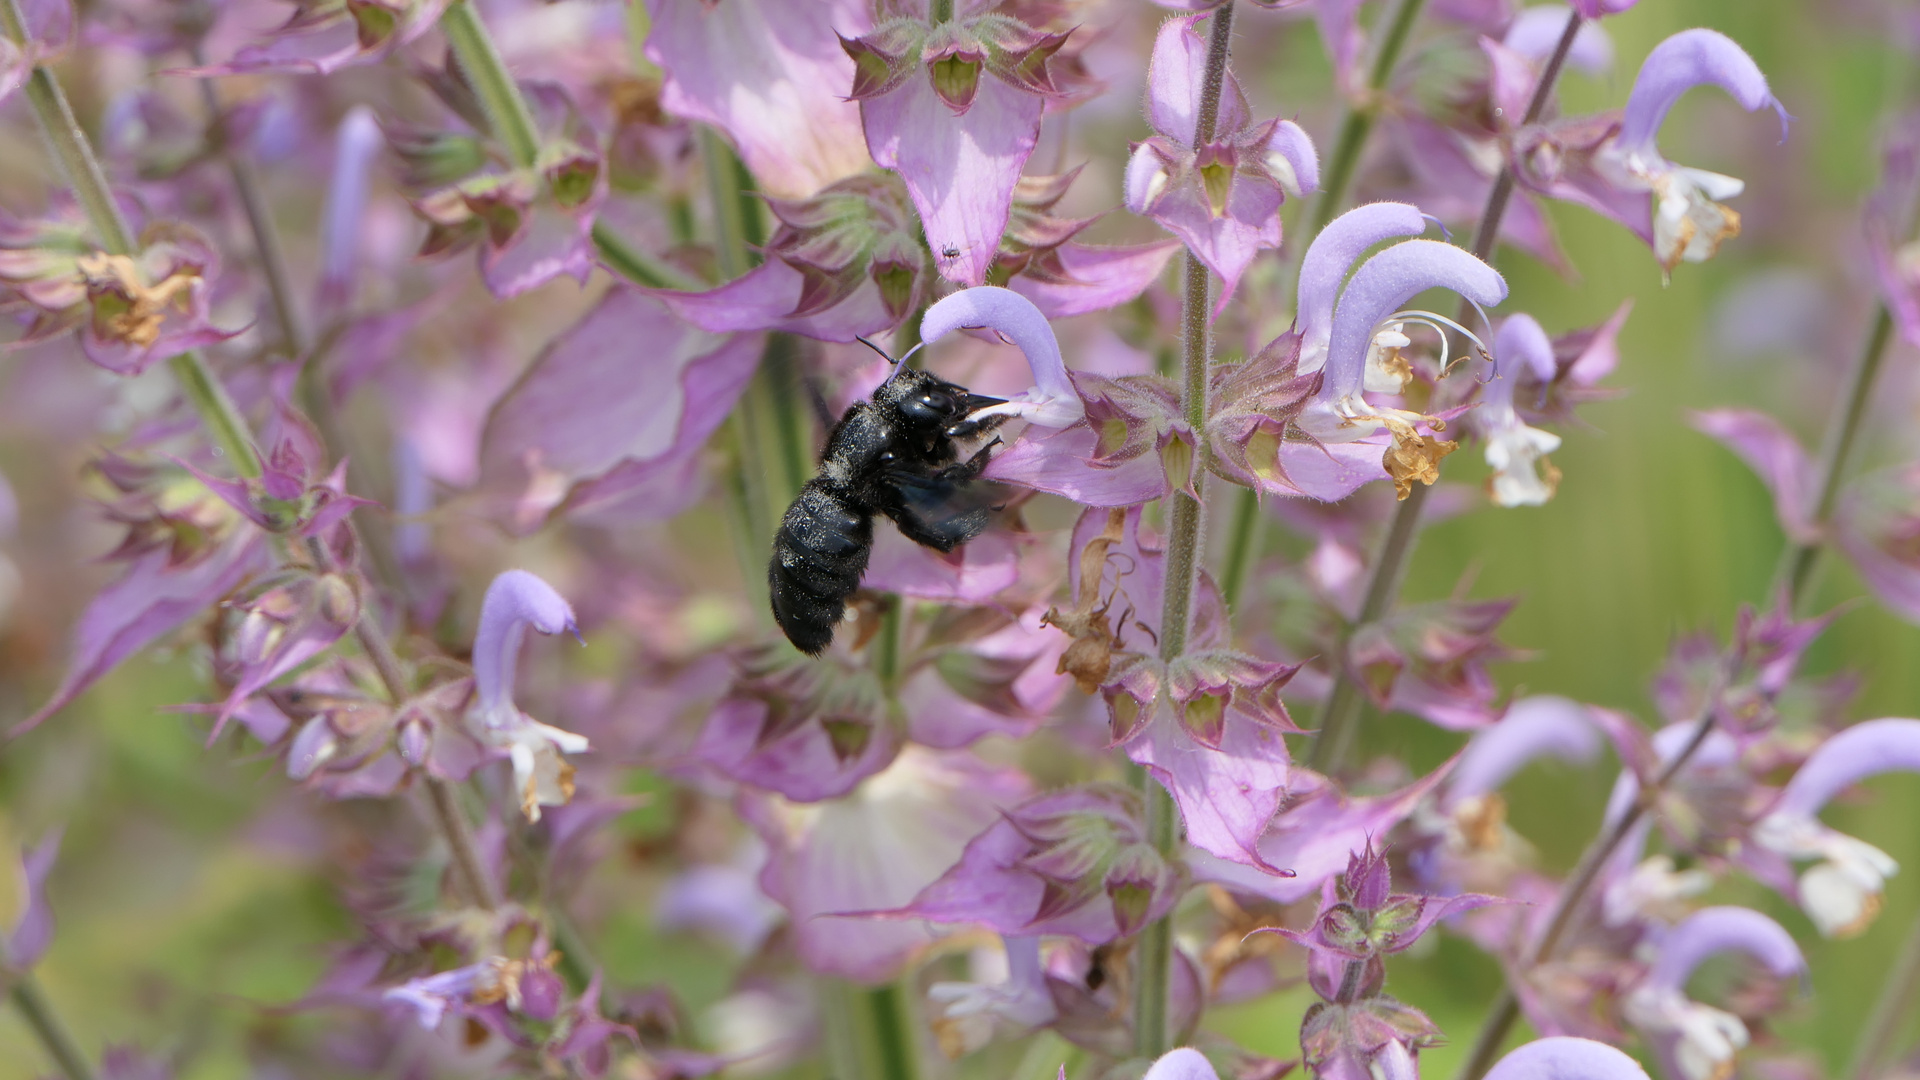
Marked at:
<point>1101,277</point>
<point>147,601</point>
<point>1533,727</point>
<point>960,170</point>
<point>1053,402</point>
<point>1688,59</point>
<point>596,418</point>
<point>1772,452</point>
<point>1563,1057</point>
<point>876,848</point>
<point>772,75</point>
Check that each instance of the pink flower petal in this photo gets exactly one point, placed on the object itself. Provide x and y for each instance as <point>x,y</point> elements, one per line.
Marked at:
<point>1103,277</point>
<point>764,297</point>
<point>1771,451</point>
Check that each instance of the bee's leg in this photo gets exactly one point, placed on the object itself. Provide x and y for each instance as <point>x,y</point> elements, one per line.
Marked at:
<point>961,472</point>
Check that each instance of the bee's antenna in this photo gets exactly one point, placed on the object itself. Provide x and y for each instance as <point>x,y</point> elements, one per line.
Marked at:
<point>878,349</point>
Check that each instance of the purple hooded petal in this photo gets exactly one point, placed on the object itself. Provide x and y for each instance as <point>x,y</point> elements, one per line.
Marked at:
<point>1226,796</point>
<point>1185,1063</point>
<point>1293,160</point>
<point>1863,750</point>
<point>1174,80</point>
<point>1383,285</point>
<point>1688,59</point>
<point>1564,1057</point>
<point>150,599</point>
<point>1053,402</point>
<point>1716,929</point>
<point>355,146</point>
<point>764,299</point>
<point>27,942</point>
<point>1324,268</point>
<point>1101,277</point>
<point>1536,32</point>
<point>876,848</point>
<point>1056,462</point>
<point>593,411</point>
<point>1533,727</point>
<point>515,601</point>
<point>960,170</point>
<point>1771,451</point>
<point>772,75</point>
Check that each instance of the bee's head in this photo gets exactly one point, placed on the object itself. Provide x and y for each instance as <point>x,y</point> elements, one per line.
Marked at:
<point>926,402</point>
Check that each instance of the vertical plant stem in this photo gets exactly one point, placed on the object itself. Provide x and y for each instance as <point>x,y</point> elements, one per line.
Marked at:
<point>871,1033</point>
<point>266,238</point>
<point>1341,711</point>
<point>1244,533</point>
<point>1153,949</point>
<point>1796,567</point>
<point>507,111</point>
<point>474,879</point>
<point>47,1027</point>
<point>638,265</point>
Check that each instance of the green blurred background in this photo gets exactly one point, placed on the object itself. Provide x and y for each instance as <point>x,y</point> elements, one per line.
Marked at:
<point>182,908</point>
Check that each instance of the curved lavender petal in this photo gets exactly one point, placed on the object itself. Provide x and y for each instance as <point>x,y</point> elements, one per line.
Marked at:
<point>27,942</point>
<point>355,145</point>
<point>1053,402</point>
<point>1185,1063</point>
<point>1533,727</point>
<point>1383,285</point>
<point>1716,929</point>
<point>1688,59</point>
<point>515,601</point>
<point>1328,259</point>
<point>1564,1057</point>
<point>1536,31</point>
<point>1522,340</point>
<point>1293,160</point>
<point>1863,750</point>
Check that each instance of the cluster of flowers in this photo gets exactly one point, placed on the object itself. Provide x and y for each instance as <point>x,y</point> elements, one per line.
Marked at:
<point>883,814</point>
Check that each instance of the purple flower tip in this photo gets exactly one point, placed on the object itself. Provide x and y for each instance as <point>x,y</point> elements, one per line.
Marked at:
<point>1382,285</point>
<point>1688,59</point>
<point>515,601</point>
<point>1863,750</point>
<point>1053,402</point>
<point>1533,727</point>
<point>1715,930</point>
<point>1566,1058</point>
<point>1328,259</point>
<point>1185,1063</point>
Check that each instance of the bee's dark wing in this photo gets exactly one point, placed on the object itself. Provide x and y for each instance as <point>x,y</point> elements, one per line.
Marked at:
<point>940,509</point>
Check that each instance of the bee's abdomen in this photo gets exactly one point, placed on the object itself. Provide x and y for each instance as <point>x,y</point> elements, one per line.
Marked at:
<point>819,555</point>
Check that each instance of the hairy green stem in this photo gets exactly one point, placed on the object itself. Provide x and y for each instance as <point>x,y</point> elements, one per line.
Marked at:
<point>1153,949</point>
<point>871,1031</point>
<point>1339,715</point>
<point>506,110</point>
<point>47,1027</point>
<point>1244,533</point>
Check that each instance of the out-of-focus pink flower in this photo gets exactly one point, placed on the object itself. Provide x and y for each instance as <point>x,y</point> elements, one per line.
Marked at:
<point>515,602</point>
<point>321,38</point>
<point>23,945</point>
<point>49,27</point>
<point>1369,920</point>
<point>1877,525</point>
<point>1696,1041</point>
<point>772,75</point>
<point>596,429</point>
<point>1599,9</point>
<point>356,144</point>
<point>1841,891</point>
<point>1889,225</point>
<point>955,109</point>
<point>1563,1057</point>
<point>1516,452</point>
<point>1222,198</point>
<point>1614,167</point>
<point>1517,58</point>
<point>874,848</point>
<point>1773,453</point>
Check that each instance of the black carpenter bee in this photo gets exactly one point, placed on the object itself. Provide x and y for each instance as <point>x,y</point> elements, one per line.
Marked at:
<point>893,455</point>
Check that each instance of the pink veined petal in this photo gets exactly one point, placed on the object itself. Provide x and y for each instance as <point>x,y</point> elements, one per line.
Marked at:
<point>1103,277</point>
<point>1688,59</point>
<point>592,404</point>
<point>32,932</point>
<point>1563,1057</point>
<point>1056,462</point>
<point>1228,242</point>
<point>772,75</point>
<point>1772,452</point>
<point>762,299</point>
<point>1332,471</point>
<point>1226,796</point>
<point>1511,79</point>
<point>553,244</point>
<point>1174,79</point>
<point>960,170</point>
<point>148,600</point>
